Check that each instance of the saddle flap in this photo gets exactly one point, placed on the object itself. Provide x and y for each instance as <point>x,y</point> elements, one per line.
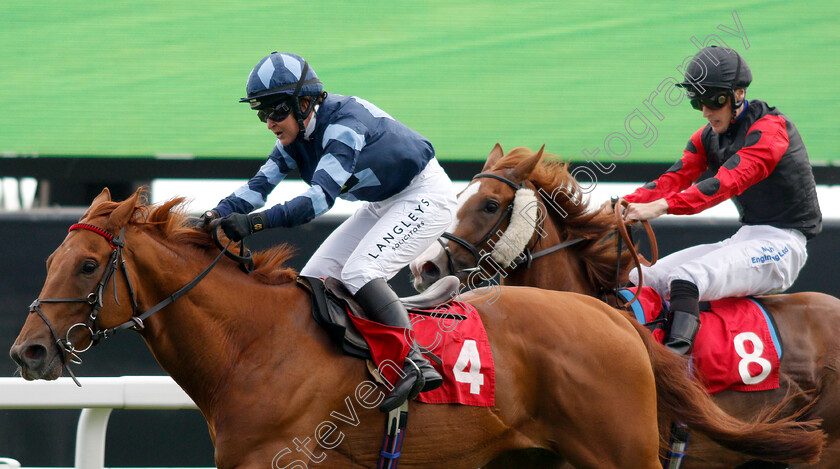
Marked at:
<point>341,292</point>
<point>438,293</point>
<point>328,311</point>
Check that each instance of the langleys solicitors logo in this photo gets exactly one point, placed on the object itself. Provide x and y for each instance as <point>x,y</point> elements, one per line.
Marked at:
<point>402,231</point>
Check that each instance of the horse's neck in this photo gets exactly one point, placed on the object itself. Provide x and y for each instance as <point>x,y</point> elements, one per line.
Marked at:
<point>223,328</point>
<point>556,271</point>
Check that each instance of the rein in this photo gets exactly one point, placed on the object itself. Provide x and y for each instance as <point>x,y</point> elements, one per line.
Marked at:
<point>638,259</point>
<point>95,300</point>
<point>473,249</point>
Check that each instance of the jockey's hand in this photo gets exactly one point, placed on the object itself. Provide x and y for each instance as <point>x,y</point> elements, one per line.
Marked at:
<point>239,225</point>
<point>208,217</point>
<point>645,211</point>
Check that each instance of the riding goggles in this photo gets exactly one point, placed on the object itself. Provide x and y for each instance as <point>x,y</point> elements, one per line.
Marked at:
<point>276,113</point>
<point>713,102</point>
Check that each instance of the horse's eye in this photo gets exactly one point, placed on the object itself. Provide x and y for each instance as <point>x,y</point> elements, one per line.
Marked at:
<point>491,207</point>
<point>88,267</point>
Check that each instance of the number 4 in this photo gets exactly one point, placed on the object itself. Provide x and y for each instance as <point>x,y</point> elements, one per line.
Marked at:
<point>469,354</point>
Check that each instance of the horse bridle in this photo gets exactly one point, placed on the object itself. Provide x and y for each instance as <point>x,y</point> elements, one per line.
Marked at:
<point>473,249</point>
<point>95,300</point>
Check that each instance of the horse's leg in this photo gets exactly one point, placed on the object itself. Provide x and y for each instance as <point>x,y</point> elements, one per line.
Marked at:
<point>704,453</point>
<point>607,416</point>
<point>588,397</point>
<point>614,449</point>
<point>827,408</point>
<point>809,324</point>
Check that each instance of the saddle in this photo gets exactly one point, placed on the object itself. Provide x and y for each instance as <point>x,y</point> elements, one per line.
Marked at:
<point>331,300</point>
<point>721,356</point>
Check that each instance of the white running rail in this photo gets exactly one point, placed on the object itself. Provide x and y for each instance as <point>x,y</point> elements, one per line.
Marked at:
<point>97,398</point>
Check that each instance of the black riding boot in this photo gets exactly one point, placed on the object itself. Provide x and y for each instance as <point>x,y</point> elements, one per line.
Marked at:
<point>384,306</point>
<point>685,317</point>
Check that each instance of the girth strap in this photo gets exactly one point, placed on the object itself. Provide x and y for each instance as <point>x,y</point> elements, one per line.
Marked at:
<point>395,426</point>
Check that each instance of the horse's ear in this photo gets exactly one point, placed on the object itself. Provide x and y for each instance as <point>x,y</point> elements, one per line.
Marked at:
<point>123,213</point>
<point>495,155</point>
<point>525,167</point>
<point>104,196</point>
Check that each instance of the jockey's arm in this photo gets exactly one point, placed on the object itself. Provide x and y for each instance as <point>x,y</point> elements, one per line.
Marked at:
<point>679,177</point>
<point>752,163</point>
<point>253,194</point>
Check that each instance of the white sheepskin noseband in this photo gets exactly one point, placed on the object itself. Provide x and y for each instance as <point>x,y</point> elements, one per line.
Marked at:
<point>522,225</point>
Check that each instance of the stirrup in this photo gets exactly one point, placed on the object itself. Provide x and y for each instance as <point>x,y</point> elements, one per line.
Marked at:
<point>402,392</point>
<point>420,384</point>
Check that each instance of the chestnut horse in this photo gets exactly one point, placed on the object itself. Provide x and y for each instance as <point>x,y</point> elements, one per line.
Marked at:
<point>809,323</point>
<point>269,381</point>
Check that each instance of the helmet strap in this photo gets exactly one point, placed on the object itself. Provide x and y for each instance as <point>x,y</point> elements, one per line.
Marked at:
<point>735,105</point>
<point>299,115</point>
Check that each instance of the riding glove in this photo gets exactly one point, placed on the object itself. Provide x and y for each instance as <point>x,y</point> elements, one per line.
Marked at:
<point>239,225</point>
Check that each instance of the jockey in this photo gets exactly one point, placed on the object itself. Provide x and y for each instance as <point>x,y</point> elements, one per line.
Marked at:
<point>759,160</point>
<point>346,147</point>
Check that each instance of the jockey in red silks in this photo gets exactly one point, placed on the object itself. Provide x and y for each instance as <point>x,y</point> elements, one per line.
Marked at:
<point>346,147</point>
<point>760,162</point>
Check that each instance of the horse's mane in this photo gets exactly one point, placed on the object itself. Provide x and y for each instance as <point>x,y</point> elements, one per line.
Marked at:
<point>552,176</point>
<point>170,223</point>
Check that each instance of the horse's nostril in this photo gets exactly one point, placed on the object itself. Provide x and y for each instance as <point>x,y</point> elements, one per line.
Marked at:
<point>35,353</point>
<point>430,269</point>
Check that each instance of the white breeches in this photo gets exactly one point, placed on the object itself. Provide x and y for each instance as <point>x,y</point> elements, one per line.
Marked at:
<point>381,238</point>
<point>756,260</point>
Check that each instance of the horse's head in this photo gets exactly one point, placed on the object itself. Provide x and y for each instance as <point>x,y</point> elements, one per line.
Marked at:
<point>495,220</point>
<point>82,278</point>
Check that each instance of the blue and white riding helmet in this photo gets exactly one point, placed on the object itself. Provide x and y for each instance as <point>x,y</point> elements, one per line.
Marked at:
<point>279,77</point>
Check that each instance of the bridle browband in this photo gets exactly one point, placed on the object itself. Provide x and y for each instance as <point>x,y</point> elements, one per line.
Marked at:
<point>95,300</point>
<point>526,257</point>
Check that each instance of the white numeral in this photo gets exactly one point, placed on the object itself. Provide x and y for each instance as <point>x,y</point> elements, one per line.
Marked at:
<point>754,357</point>
<point>469,354</point>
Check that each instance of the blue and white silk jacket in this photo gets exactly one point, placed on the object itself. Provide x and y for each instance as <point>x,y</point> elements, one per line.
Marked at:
<point>356,151</point>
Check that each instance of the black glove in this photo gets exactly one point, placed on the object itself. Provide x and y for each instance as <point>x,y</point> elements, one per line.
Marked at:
<point>208,217</point>
<point>239,225</point>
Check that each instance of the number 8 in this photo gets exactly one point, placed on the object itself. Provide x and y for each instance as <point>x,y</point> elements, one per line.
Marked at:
<point>754,357</point>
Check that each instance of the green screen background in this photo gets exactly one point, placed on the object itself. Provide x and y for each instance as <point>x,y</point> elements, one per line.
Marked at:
<point>150,77</point>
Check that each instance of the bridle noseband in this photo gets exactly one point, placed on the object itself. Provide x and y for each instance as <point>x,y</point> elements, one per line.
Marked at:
<point>527,255</point>
<point>95,300</point>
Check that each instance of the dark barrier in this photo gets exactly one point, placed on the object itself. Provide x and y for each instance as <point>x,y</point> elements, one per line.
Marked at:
<point>180,438</point>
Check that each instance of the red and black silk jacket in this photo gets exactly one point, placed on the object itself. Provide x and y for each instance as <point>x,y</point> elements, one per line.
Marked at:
<point>760,161</point>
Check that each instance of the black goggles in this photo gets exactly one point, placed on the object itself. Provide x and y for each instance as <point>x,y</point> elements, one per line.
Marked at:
<point>277,113</point>
<point>713,102</point>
